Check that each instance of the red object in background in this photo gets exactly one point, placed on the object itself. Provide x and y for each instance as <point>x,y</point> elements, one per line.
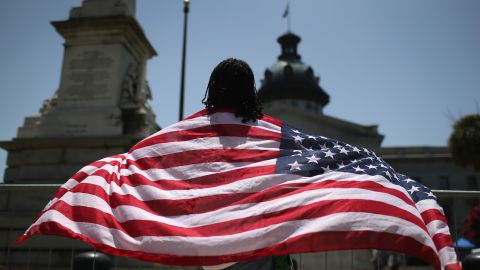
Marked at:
<point>472,225</point>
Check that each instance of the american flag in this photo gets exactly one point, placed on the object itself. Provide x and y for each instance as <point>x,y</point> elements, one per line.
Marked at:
<point>211,189</point>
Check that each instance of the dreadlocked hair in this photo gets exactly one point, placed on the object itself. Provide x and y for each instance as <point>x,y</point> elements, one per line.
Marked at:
<point>232,85</point>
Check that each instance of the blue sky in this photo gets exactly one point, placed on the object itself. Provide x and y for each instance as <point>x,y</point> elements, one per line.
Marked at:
<point>409,66</point>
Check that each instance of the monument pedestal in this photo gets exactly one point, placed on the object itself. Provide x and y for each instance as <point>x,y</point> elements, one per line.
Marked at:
<point>100,109</point>
<point>101,106</point>
<point>103,82</point>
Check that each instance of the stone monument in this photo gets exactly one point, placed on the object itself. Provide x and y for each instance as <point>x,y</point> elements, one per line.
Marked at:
<point>101,106</point>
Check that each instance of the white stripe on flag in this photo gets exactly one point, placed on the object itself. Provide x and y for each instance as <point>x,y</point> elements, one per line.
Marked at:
<point>207,143</point>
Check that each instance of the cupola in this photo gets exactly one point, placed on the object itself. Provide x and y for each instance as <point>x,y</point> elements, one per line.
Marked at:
<point>290,78</point>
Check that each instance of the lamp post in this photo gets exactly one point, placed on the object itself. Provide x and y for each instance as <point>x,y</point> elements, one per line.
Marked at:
<point>186,7</point>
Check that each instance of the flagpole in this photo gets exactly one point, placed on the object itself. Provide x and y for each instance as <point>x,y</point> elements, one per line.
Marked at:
<point>288,17</point>
<point>286,14</point>
<point>186,8</point>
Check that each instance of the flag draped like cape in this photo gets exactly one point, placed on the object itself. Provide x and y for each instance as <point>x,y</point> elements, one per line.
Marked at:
<point>211,189</point>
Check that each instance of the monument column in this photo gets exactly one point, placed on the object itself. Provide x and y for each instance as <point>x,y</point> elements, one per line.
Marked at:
<point>101,106</point>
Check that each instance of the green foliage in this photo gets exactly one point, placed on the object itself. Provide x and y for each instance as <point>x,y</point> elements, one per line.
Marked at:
<point>464,142</point>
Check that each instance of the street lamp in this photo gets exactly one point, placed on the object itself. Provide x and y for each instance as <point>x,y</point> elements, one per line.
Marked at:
<point>186,4</point>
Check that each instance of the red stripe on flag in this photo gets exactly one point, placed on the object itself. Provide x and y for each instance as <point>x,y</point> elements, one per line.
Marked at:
<point>136,228</point>
<point>442,240</point>
<point>453,266</point>
<point>272,120</point>
<point>432,215</point>
<point>203,156</point>
<point>206,181</point>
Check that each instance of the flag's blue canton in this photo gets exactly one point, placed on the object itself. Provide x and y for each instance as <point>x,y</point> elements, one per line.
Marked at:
<point>307,155</point>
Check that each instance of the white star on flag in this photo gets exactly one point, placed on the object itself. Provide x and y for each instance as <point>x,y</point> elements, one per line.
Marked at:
<point>413,189</point>
<point>358,169</point>
<point>326,169</point>
<point>295,166</point>
<point>323,147</point>
<point>329,154</point>
<point>341,165</point>
<point>313,159</point>
<point>298,152</point>
<point>297,139</point>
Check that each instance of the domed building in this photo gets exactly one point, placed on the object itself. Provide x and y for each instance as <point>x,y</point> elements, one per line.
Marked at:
<point>290,91</point>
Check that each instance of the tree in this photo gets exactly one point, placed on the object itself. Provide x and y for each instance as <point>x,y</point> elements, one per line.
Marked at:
<point>464,142</point>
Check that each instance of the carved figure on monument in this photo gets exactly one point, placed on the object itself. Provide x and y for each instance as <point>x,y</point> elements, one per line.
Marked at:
<point>146,92</point>
<point>134,93</point>
<point>130,87</point>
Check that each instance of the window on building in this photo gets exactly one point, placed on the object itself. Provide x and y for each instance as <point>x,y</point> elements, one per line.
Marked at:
<point>472,184</point>
<point>443,182</point>
<point>447,205</point>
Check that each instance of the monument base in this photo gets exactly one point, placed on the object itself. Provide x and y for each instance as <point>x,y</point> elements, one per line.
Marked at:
<point>55,160</point>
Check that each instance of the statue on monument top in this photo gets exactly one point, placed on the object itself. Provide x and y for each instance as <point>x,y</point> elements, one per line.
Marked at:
<point>102,8</point>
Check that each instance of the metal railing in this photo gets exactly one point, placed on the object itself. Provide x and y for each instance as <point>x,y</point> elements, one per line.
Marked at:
<point>21,203</point>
